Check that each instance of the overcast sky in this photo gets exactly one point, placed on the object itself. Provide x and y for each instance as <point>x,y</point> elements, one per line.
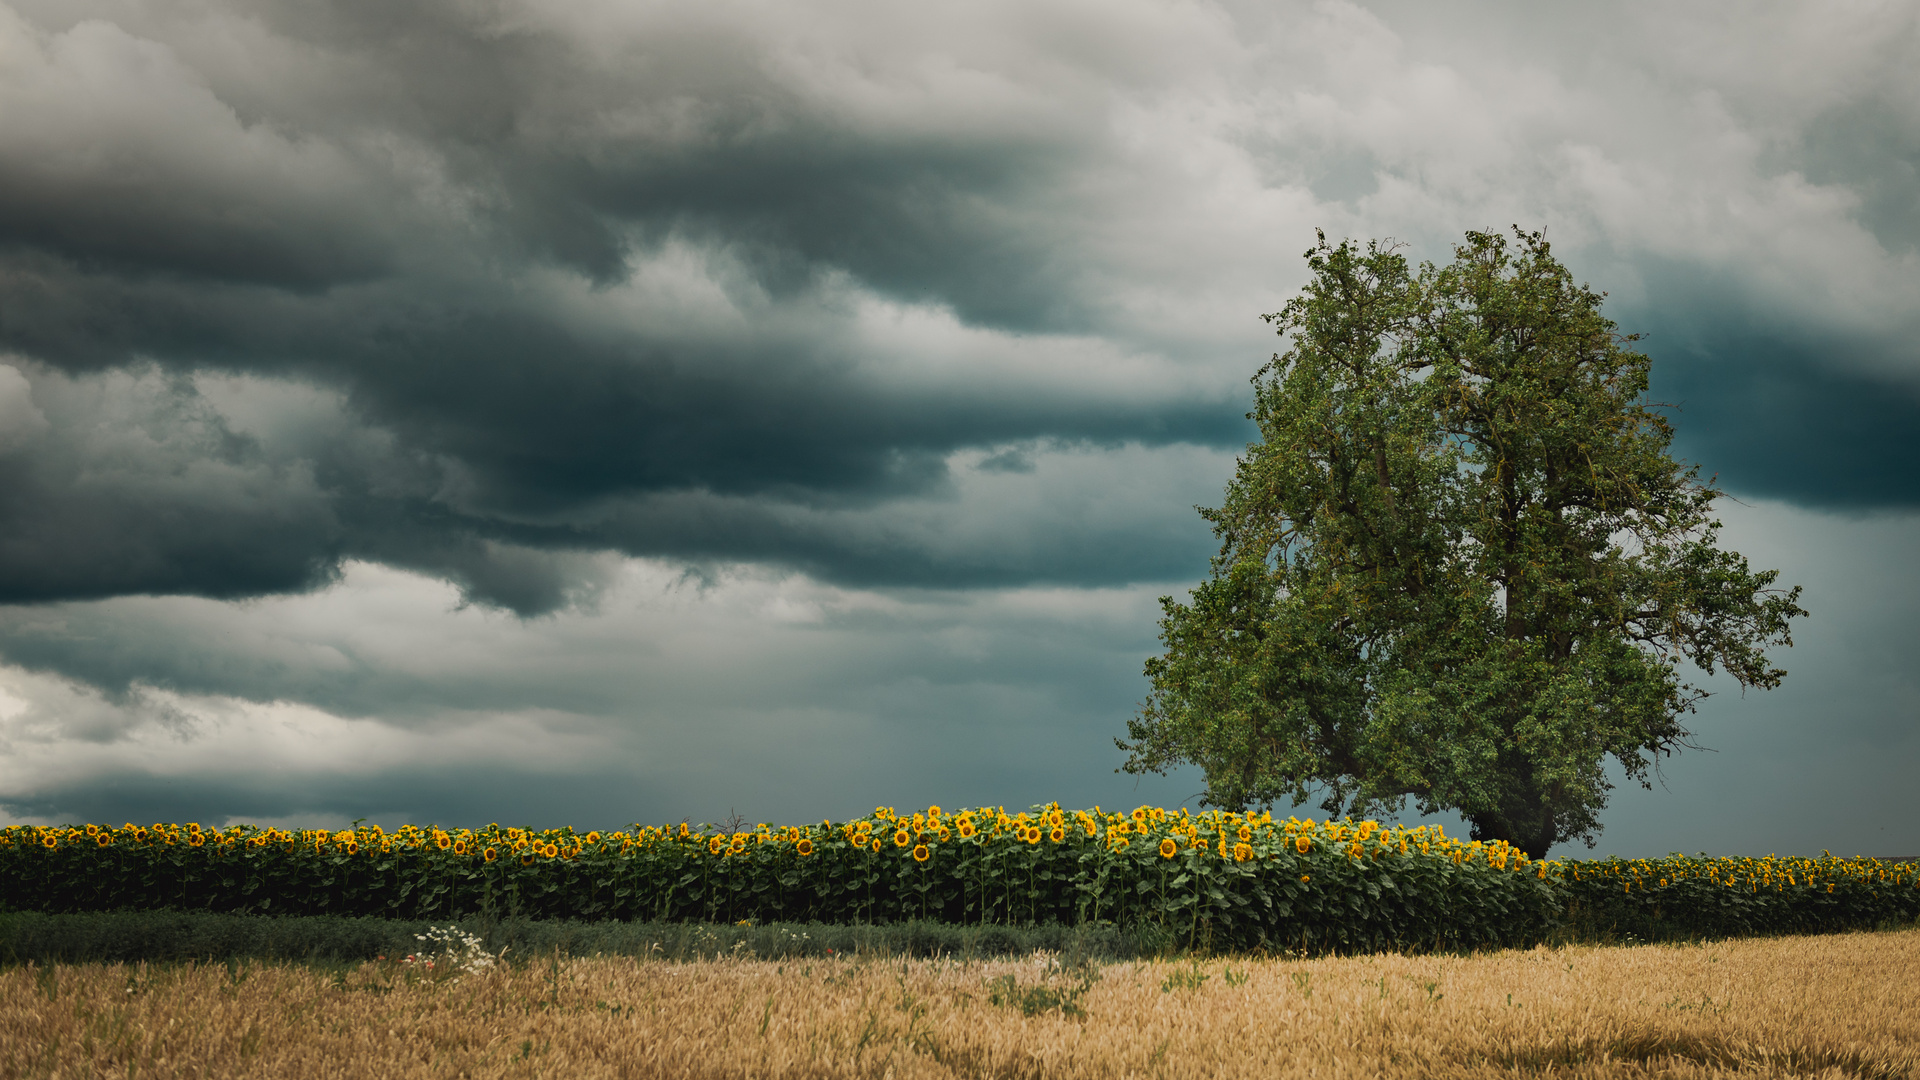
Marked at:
<point>589,413</point>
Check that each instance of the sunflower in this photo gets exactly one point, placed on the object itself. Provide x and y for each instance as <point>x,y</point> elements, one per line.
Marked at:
<point>966,829</point>
<point>942,833</point>
<point>739,844</point>
<point>102,839</point>
<point>353,847</point>
<point>1168,849</point>
<point>551,851</point>
<point>804,847</point>
<point>1058,835</point>
<point>1303,843</point>
<point>876,844</point>
<point>47,840</point>
<point>442,841</point>
<point>197,839</point>
<point>527,859</point>
<point>1031,834</point>
<point>1246,833</point>
<point>1242,852</point>
<point>715,845</point>
<point>593,837</point>
<point>459,847</point>
<point>92,829</point>
<point>489,855</point>
<point>920,853</point>
<point>902,838</point>
<point>1304,878</point>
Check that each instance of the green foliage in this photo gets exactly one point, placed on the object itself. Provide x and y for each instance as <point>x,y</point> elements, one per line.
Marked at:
<point>1044,878</point>
<point>210,937</point>
<point>1694,896</point>
<point>1032,999</point>
<point>1460,565</point>
<point>1188,978</point>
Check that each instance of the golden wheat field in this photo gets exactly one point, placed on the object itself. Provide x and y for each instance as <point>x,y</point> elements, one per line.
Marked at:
<point>1841,1005</point>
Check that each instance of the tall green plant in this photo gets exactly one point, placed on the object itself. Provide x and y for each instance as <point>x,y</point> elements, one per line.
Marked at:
<point>1460,565</point>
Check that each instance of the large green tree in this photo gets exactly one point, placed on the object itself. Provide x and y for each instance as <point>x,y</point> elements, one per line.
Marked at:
<point>1460,565</point>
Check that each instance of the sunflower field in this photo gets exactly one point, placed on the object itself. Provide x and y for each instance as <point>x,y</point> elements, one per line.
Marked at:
<point>1214,879</point>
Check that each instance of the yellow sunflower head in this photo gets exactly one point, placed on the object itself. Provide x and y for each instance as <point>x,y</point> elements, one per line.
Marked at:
<point>966,828</point>
<point>1303,843</point>
<point>902,838</point>
<point>1242,852</point>
<point>920,853</point>
<point>804,847</point>
<point>1058,834</point>
<point>1168,849</point>
<point>489,854</point>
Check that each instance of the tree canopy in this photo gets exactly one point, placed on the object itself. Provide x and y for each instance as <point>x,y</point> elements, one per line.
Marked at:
<point>1460,565</point>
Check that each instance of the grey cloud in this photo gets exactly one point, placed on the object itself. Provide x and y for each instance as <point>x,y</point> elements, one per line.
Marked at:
<point>116,154</point>
<point>776,696</point>
<point>1776,408</point>
<point>1872,147</point>
<point>128,486</point>
<point>435,212</point>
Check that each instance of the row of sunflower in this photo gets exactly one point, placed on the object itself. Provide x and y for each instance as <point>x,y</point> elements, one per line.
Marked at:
<point>1216,877</point>
<point>1702,896</point>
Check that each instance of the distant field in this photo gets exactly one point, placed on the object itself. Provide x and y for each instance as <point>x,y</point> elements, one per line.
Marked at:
<point>1838,1005</point>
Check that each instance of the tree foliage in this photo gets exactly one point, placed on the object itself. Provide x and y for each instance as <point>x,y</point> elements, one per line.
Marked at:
<point>1460,564</point>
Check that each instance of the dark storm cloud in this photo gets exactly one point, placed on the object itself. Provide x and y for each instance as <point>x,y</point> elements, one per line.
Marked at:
<point>1774,419</point>
<point>1777,407</point>
<point>1872,147</point>
<point>371,227</point>
<point>388,797</point>
<point>479,228</point>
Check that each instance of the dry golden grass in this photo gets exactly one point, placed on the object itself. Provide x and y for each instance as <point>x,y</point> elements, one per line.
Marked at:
<point>1820,1006</point>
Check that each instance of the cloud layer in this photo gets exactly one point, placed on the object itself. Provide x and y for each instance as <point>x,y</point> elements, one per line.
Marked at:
<point>501,307</point>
